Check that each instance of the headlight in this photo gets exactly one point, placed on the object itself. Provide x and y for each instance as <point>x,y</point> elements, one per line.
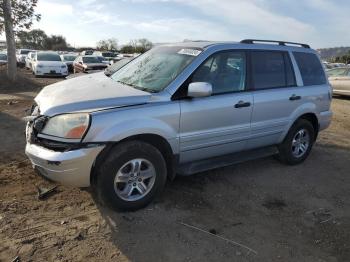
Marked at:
<point>63,66</point>
<point>69,126</point>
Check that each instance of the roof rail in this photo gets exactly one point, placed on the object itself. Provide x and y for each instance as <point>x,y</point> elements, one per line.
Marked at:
<point>284,43</point>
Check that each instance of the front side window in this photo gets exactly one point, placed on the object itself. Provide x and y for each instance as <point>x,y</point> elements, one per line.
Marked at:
<point>156,69</point>
<point>226,71</point>
<point>310,68</point>
<point>271,69</point>
<point>3,57</point>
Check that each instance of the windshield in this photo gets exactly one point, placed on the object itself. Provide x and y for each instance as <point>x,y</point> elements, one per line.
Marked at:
<point>69,57</point>
<point>108,54</point>
<point>48,57</point>
<point>154,70</point>
<point>101,59</point>
<point>3,57</point>
<point>337,72</point>
<point>24,52</point>
<point>90,59</point>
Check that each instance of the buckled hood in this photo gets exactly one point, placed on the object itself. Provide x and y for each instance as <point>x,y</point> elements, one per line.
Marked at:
<point>88,93</point>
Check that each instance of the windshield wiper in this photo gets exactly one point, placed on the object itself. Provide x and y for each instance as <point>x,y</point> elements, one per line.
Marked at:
<point>136,87</point>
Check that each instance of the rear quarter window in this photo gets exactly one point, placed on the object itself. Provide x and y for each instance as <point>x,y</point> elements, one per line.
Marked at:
<point>310,68</point>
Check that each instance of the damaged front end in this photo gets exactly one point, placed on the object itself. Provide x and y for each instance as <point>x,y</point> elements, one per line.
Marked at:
<point>63,162</point>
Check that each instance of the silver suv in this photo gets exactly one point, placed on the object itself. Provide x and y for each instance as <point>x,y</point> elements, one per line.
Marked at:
<point>179,109</point>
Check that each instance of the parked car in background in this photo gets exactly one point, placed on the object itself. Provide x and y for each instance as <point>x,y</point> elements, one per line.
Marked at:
<point>106,54</point>
<point>103,60</point>
<point>3,59</point>
<point>68,59</point>
<point>339,78</point>
<point>21,56</point>
<point>47,63</point>
<point>87,52</point>
<point>179,109</point>
<point>88,64</point>
<point>29,60</point>
<point>116,66</point>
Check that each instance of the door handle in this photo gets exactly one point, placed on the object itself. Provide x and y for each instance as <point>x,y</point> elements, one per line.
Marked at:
<point>294,97</point>
<point>242,104</point>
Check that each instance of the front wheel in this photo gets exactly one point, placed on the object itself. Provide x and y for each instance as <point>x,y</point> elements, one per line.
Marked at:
<point>131,176</point>
<point>298,143</point>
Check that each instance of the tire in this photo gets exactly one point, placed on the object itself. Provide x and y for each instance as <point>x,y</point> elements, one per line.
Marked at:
<point>295,153</point>
<point>119,163</point>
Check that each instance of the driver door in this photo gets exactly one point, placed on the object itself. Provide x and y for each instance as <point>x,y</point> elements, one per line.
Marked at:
<point>218,124</point>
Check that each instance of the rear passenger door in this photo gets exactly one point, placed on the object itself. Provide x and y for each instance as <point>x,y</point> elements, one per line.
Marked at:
<point>276,96</point>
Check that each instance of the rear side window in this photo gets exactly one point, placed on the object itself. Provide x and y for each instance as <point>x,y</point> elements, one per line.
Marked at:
<point>271,69</point>
<point>310,68</point>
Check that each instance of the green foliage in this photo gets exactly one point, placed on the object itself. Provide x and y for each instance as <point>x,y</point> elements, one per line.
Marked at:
<point>23,14</point>
<point>37,39</point>
<point>342,59</point>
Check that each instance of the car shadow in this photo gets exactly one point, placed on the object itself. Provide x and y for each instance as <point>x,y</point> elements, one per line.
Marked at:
<point>246,203</point>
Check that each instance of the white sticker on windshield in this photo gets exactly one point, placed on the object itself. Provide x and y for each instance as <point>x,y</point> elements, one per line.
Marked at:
<point>192,52</point>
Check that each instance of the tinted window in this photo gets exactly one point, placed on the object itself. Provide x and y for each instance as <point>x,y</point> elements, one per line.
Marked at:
<point>91,59</point>
<point>3,57</point>
<point>226,72</point>
<point>271,69</point>
<point>69,57</point>
<point>310,68</point>
<point>48,57</point>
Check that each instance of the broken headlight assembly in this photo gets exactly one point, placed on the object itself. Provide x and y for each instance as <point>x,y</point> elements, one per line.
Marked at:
<point>66,127</point>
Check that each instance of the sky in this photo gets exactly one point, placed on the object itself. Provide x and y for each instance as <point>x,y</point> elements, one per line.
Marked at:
<point>321,23</point>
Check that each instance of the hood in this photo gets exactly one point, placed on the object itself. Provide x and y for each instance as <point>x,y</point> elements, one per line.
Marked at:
<point>87,93</point>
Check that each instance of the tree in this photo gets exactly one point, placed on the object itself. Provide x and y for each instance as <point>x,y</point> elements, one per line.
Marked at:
<point>35,39</point>
<point>145,44</point>
<point>137,46</point>
<point>127,49</point>
<point>107,44</point>
<point>15,15</point>
<point>10,40</point>
<point>56,42</point>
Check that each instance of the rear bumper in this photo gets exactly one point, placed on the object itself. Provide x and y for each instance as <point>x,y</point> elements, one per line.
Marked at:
<point>324,119</point>
<point>71,168</point>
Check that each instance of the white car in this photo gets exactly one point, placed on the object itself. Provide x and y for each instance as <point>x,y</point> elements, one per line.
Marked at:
<point>21,56</point>
<point>49,64</point>
<point>29,60</point>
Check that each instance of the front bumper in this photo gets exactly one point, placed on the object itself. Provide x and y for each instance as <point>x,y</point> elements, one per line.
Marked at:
<point>71,168</point>
<point>46,71</point>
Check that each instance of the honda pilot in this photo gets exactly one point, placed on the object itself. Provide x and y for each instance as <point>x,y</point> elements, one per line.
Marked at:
<point>179,109</point>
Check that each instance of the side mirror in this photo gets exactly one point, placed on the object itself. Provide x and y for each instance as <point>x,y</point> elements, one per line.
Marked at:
<point>199,89</point>
<point>81,63</point>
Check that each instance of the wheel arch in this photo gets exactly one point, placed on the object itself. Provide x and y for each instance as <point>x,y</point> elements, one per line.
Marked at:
<point>155,140</point>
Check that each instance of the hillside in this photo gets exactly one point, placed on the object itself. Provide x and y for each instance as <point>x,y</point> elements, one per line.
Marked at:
<point>327,53</point>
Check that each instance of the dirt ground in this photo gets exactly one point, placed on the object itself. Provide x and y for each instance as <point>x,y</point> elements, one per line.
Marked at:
<point>283,213</point>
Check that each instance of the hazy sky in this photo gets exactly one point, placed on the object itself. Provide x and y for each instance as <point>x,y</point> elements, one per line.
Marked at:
<point>321,23</point>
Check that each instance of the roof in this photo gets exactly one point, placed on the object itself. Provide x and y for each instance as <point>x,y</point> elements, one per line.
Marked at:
<point>261,44</point>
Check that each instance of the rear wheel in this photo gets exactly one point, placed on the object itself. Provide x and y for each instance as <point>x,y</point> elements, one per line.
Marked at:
<point>298,143</point>
<point>131,176</point>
